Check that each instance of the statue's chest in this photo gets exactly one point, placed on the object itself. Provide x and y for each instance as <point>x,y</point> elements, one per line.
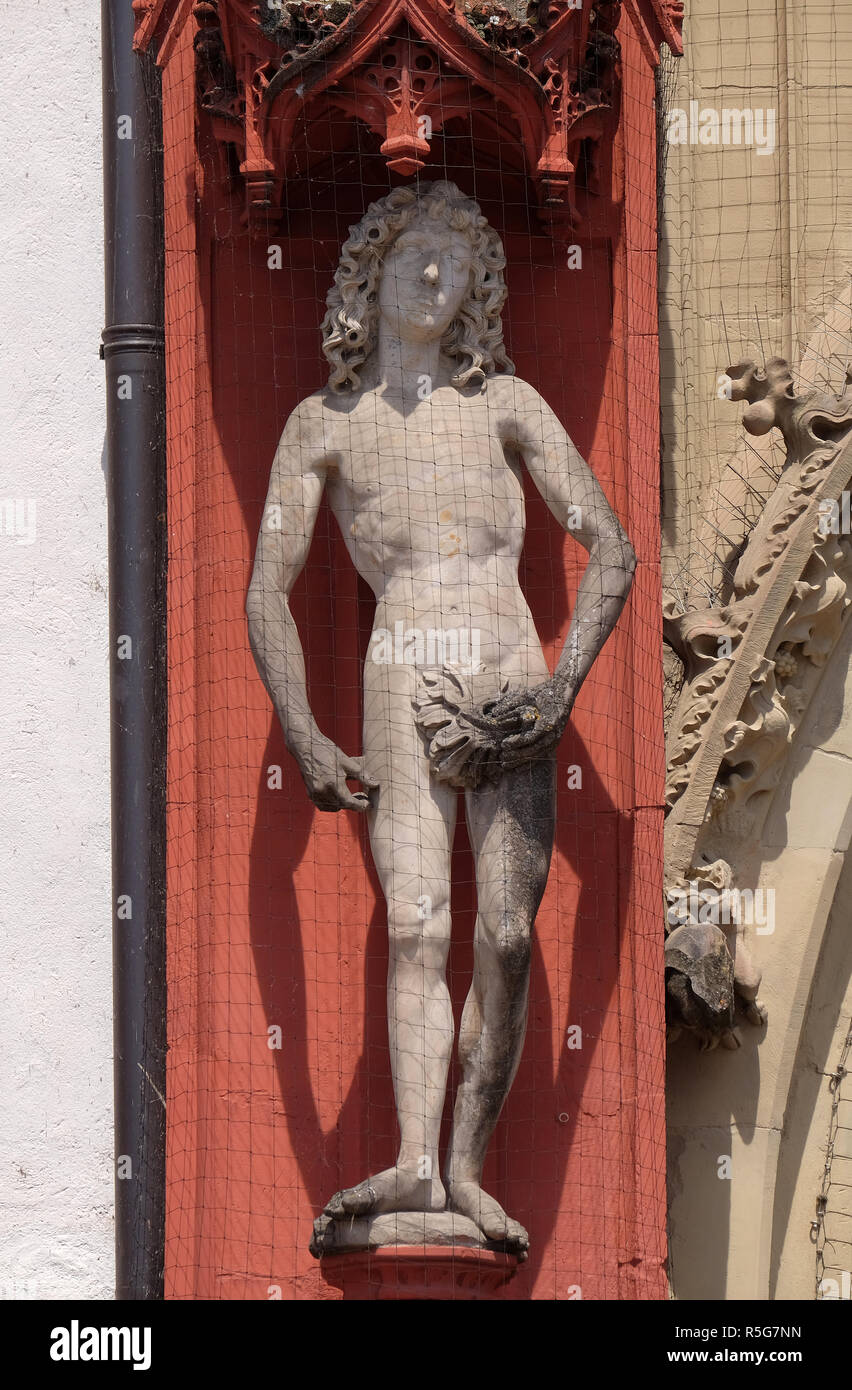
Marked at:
<point>437,460</point>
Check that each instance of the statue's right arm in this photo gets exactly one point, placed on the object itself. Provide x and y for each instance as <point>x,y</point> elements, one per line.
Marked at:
<point>289,516</point>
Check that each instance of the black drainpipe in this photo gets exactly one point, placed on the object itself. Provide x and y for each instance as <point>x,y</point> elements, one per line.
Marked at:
<point>134,354</point>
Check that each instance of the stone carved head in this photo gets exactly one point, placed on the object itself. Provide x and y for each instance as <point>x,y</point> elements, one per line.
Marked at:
<point>474,336</point>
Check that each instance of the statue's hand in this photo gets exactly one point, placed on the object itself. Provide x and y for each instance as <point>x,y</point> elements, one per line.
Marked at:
<point>542,714</point>
<point>325,768</point>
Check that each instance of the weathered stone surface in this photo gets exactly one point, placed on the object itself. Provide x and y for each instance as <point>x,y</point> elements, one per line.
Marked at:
<point>409,1228</point>
<point>752,667</point>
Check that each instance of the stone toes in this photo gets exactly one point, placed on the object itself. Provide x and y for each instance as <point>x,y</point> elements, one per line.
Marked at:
<point>351,1201</point>
<point>517,1237</point>
<point>334,1208</point>
<point>317,1244</point>
<point>496,1231</point>
<point>361,1200</point>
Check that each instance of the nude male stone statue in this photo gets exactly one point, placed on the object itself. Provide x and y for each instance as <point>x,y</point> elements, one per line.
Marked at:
<point>419,440</point>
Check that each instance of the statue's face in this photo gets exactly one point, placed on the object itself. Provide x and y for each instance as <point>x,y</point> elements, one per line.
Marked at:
<point>425,278</point>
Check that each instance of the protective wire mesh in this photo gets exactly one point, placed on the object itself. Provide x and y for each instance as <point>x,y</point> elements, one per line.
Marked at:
<point>280,1089</point>
<point>754,261</point>
<point>833,1237</point>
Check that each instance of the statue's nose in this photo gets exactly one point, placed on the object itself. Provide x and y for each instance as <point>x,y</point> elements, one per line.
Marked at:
<point>431,272</point>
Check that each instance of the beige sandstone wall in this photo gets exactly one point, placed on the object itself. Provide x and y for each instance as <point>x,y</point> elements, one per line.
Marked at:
<point>755,248</point>
<point>756,255</point>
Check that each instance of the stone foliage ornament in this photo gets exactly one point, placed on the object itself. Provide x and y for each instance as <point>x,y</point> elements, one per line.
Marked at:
<point>418,443</point>
<point>751,667</point>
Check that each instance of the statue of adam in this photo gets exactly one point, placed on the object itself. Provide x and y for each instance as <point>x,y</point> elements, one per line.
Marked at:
<point>418,441</point>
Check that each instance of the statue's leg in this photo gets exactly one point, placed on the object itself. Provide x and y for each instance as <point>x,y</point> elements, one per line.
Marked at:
<point>511,831</point>
<point>411,823</point>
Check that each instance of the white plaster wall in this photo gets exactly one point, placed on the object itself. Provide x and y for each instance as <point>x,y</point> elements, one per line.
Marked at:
<point>56,1172</point>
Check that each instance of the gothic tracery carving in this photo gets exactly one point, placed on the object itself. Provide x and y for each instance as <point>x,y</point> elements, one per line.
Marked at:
<point>547,71</point>
<point>751,668</point>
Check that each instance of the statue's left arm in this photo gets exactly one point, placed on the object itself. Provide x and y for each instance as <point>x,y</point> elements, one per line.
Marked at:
<point>576,499</point>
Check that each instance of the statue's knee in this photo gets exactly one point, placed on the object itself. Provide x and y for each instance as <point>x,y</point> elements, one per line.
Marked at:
<point>419,930</point>
<point>512,947</point>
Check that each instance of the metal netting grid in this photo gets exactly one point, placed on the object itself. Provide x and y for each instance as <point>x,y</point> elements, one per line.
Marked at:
<point>276,921</point>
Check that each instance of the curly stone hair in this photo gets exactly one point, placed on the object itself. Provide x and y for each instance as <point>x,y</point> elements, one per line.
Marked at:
<point>474,338</point>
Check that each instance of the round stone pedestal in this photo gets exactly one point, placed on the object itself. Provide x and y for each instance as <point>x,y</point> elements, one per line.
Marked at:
<point>419,1272</point>
<point>410,1255</point>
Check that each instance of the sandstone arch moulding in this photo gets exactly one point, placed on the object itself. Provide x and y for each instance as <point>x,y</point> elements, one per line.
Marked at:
<point>752,667</point>
<point>548,71</point>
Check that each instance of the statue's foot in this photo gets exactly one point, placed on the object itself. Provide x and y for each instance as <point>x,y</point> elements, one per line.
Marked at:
<point>468,1199</point>
<point>395,1189</point>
